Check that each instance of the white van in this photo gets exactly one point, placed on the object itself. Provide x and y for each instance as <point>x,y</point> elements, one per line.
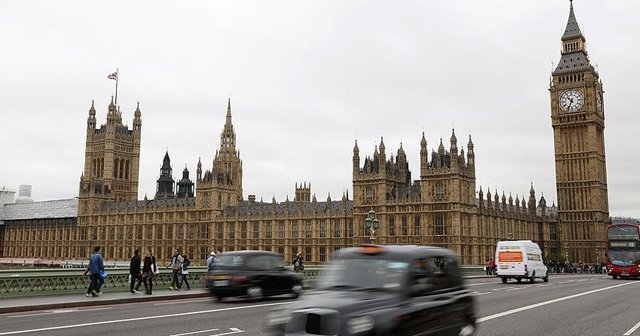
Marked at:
<point>520,259</point>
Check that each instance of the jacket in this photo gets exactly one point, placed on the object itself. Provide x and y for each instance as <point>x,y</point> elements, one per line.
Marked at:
<point>134,265</point>
<point>95,263</point>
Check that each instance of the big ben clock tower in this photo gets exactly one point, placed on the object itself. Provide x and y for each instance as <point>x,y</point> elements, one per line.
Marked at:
<point>577,114</point>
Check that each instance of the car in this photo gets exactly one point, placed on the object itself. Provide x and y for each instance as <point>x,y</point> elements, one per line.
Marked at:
<point>253,274</point>
<point>520,259</point>
<point>382,290</point>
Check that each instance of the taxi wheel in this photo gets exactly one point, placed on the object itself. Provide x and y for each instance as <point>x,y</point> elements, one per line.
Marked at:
<point>255,293</point>
<point>546,277</point>
<point>519,280</point>
<point>504,280</point>
<point>219,298</point>
<point>467,330</point>
<point>532,279</point>
<point>296,290</point>
<point>615,276</point>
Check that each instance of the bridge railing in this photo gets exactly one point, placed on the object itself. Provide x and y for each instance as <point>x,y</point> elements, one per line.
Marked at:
<point>34,282</point>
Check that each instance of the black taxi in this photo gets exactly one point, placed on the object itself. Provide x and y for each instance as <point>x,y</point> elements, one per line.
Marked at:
<point>253,274</point>
<point>383,290</point>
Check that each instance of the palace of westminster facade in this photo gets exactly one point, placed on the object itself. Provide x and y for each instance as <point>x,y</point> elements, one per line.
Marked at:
<point>441,208</point>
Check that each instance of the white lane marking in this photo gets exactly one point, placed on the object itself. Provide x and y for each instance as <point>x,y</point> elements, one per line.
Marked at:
<point>540,304</point>
<point>478,294</point>
<point>180,301</point>
<point>196,332</point>
<point>482,283</point>
<point>141,318</point>
<point>60,311</point>
<point>630,331</point>
<point>236,331</point>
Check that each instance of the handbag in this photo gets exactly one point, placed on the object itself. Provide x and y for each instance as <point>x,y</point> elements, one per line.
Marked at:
<point>156,269</point>
<point>103,274</point>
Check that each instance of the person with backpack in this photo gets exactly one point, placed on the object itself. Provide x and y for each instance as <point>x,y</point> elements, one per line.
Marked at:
<point>185,272</point>
<point>149,268</point>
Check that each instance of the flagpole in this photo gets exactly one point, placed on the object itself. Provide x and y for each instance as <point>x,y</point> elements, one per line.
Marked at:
<point>117,86</point>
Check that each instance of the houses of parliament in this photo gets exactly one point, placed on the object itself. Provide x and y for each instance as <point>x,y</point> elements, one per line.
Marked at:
<point>440,206</point>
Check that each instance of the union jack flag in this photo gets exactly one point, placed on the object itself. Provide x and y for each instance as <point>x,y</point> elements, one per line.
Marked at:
<point>113,76</point>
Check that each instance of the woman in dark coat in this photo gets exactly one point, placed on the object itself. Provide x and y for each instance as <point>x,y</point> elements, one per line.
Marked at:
<point>148,271</point>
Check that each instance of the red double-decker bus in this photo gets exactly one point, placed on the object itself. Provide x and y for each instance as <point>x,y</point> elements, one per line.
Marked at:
<point>623,250</point>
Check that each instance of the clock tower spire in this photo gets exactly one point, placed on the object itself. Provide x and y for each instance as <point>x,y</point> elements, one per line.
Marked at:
<point>577,115</point>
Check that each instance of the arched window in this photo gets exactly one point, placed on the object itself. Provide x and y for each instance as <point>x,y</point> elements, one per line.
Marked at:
<point>115,168</point>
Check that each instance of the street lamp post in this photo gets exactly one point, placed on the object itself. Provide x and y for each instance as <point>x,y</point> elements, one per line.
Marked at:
<point>372,223</point>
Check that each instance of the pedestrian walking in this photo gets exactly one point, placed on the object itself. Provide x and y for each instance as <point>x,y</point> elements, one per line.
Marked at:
<point>492,266</point>
<point>134,272</point>
<point>211,260</point>
<point>96,267</point>
<point>149,268</point>
<point>176,261</point>
<point>298,263</point>
<point>185,272</point>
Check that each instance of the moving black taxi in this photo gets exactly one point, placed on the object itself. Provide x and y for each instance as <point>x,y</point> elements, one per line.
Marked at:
<point>383,290</point>
<point>252,274</point>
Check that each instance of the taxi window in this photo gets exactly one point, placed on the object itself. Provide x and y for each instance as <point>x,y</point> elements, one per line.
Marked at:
<point>230,261</point>
<point>264,262</point>
<point>440,271</point>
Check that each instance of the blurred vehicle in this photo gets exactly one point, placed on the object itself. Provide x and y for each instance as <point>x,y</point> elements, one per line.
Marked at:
<point>520,259</point>
<point>252,274</point>
<point>383,290</point>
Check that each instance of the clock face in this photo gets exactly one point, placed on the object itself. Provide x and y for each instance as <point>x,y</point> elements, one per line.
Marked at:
<point>571,100</point>
<point>599,101</point>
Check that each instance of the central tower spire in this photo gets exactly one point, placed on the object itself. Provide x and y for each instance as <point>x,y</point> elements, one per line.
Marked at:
<point>228,136</point>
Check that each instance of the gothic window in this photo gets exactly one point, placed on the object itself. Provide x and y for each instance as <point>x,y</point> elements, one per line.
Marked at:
<point>392,226</point>
<point>323,254</point>
<point>368,197</point>
<point>232,231</point>
<point>294,229</point>
<point>204,231</point>
<point>256,230</point>
<point>337,228</point>
<point>307,254</point>
<point>243,230</point>
<point>416,223</point>
<point>158,231</point>
<point>323,228</point>
<point>439,190</point>
<point>268,230</point>
<point>440,224</point>
<point>180,234</point>
<point>192,232</point>
<point>404,226</point>
<point>220,231</point>
<point>308,229</point>
<point>281,229</point>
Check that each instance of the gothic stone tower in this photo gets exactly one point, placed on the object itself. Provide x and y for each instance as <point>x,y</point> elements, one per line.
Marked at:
<point>112,158</point>
<point>577,114</point>
<point>222,185</point>
<point>448,184</point>
<point>165,183</point>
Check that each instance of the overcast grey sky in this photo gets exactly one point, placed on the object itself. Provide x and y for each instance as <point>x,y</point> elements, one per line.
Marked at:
<point>306,79</point>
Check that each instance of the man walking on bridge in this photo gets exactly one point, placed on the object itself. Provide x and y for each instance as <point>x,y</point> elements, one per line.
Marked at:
<point>96,267</point>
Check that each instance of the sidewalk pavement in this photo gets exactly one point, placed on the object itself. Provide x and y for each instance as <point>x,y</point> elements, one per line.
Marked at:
<point>29,303</point>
